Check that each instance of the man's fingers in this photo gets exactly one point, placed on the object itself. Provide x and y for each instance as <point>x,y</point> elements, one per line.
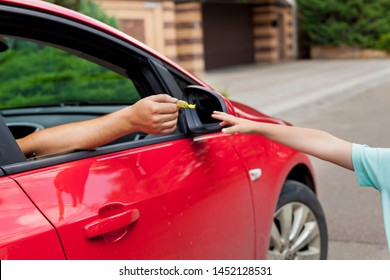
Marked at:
<point>164,104</point>
<point>163,98</point>
<point>166,127</point>
<point>169,126</point>
<point>168,117</point>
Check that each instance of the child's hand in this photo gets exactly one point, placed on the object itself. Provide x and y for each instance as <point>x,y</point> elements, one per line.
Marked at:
<point>238,125</point>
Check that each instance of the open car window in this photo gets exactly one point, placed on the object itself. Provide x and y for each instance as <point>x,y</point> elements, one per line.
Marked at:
<point>36,75</point>
<point>45,86</point>
<point>56,71</point>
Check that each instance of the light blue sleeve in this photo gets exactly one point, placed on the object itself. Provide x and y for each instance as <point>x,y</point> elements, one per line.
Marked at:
<point>372,168</point>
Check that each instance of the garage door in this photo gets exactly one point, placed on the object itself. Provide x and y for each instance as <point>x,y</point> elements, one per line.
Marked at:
<point>228,34</point>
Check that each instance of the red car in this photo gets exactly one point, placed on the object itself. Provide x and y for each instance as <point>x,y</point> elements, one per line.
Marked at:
<point>192,194</point>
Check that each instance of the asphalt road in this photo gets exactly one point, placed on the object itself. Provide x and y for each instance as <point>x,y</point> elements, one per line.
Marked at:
<point>353,213</point>
<point>346,98</point>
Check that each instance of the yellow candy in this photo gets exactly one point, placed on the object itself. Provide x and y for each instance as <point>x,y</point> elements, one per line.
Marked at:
<point>184,104</point>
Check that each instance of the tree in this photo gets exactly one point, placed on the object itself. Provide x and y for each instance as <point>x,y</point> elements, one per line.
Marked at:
<point>36,74</point>
<point>357,23</point>
<point>71,4</point>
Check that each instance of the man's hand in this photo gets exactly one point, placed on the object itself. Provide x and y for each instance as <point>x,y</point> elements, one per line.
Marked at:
<point>156,114</point>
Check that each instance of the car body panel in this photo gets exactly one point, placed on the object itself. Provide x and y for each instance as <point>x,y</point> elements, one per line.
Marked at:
<point>196,185</point>
<point>24,233</point>
<point>257,153</point>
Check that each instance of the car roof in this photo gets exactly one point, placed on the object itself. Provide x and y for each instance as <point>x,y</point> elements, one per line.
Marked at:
<point>47,7</point>
<point>57,10</point>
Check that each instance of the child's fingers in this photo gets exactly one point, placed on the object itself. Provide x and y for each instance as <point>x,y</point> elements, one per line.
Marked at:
<point>223,123</point>
<point>231,130</point>
<point>223,117</point>
<point>219,114</point>
<point>226,120</point>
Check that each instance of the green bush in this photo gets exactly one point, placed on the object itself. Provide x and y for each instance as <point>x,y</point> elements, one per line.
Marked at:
<point>71,4</point>
<point>93,10</point>
<point>356,23</point>
<point>384,42</point>
<point>34,74</point>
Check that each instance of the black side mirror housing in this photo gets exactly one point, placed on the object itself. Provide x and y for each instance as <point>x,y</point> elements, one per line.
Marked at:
<point>199,120</point>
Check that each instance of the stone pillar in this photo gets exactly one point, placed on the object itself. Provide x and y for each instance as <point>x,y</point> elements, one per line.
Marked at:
<point>169,27</point>
<point>189,34</point>
<point>273,32</point>
<point>151,22</point>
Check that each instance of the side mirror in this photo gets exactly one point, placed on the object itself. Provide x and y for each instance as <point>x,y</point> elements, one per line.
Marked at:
<point>199,120</point>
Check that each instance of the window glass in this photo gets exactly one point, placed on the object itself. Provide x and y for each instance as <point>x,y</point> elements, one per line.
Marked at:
<point>33,74</point>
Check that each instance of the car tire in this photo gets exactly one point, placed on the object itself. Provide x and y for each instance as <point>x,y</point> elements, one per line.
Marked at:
<point>299,228</point>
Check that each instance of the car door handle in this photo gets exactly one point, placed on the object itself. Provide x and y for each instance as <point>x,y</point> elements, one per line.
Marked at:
<point>111,223</point>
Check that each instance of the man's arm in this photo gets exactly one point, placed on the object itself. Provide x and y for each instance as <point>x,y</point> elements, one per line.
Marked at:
<point>314,142</point>
<point>155,114</point>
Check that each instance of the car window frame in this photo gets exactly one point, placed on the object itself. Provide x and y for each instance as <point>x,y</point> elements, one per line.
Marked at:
<point>76,27</point>
<point>153,78</point>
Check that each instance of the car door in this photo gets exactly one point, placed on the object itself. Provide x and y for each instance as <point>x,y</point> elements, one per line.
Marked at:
<point>24,233</point>
<point>177,196</point>
<point>181,199</point>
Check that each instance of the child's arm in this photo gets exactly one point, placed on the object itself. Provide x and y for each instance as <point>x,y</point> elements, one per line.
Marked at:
<point>314,142</point>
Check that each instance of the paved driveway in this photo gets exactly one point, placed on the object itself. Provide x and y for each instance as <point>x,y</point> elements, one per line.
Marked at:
<point>275,89</point>
<point>348,98</point>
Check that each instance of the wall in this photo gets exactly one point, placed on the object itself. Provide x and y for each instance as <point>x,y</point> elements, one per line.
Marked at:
<point>151,22</point>
<point>274,40</point>
<point>175,29</point>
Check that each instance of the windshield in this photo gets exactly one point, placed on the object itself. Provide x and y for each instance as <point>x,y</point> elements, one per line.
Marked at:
<point>33,74</point>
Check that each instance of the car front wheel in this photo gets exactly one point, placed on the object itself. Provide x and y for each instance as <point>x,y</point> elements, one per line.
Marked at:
<point>299,228</point>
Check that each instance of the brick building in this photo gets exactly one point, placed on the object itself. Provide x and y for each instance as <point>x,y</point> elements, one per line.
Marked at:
<point>207,34</point>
